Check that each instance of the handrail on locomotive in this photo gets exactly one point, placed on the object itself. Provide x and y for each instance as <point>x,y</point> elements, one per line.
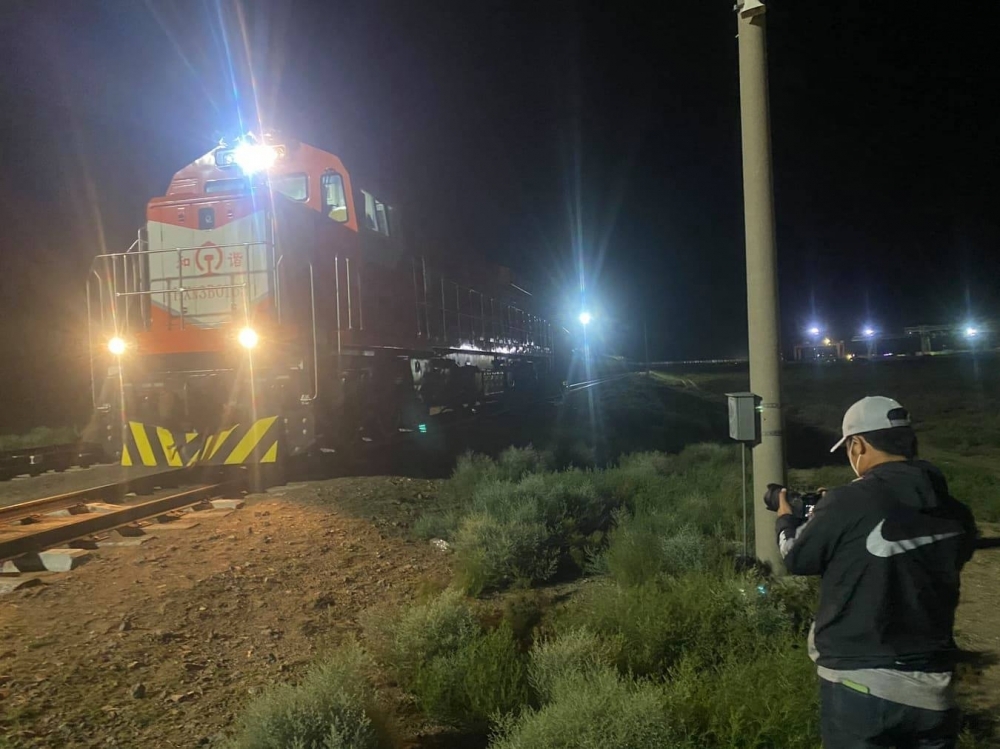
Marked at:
<point>116,306</point>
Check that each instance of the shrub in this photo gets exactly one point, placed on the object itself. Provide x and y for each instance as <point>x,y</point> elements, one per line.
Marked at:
<point>646,545</point>
<point>523,611</point>
<point>483,678</point>
<point>593,711</point>
<point>635,548</point>
<point>577,652</point>
<point>686,551</point>
<point>768,700</point>
<point>631,483</point>
<point>975,486</point>
<point>459,674</point>
<point>968,740</point>
<point>40,437</point>
<point>491,554</point>
<point>515,463</point>
<point>333,708</point>
<point>701,487</point>
<point>522,532</point>
<point>471,470</point>
<point>652,463</point>
<point>700,616</point>
<point>797,597</point>
<point>405,641</point>
<point>519,523</point>
<point>437,525</point>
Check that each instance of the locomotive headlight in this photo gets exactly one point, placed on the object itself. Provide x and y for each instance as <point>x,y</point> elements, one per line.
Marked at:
<point>254,157</point>
<point>248,338</point>
<point>117,346</point>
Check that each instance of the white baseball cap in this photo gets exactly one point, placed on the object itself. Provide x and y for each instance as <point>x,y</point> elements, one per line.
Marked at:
<point>870,414</point>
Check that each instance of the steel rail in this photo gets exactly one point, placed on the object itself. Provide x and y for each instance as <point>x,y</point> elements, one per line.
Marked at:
<point>577,386</point>
<point>110,493</point>
<point>34,540</point>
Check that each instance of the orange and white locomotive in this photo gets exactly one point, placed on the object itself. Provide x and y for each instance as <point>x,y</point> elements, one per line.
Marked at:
<point>270,307</point>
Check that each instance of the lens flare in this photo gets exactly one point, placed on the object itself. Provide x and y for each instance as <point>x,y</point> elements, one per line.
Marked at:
<point>248,338</point>
<point>254,157</point>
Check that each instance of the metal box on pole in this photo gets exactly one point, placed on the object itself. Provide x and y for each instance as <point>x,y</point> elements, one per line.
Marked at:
<point>744,427</point>
<point>744,417</point>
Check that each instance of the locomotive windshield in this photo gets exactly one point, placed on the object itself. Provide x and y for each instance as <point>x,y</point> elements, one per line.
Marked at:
<point>293,186</point>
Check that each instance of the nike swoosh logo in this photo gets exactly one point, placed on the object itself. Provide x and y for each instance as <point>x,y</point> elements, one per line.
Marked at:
<point>878,545</point>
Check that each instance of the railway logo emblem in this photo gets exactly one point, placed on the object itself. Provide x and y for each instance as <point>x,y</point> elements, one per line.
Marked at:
<point>209,258</point>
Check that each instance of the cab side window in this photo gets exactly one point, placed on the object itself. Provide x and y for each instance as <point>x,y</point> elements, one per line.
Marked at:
<point>294,186</point>
<point>376,214</point>
<point>334,197</point>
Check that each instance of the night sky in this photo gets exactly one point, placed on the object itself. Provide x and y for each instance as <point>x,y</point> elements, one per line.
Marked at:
<point>528,134</point>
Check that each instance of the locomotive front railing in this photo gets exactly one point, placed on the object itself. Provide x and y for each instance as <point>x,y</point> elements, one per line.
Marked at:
<point>126,275</point>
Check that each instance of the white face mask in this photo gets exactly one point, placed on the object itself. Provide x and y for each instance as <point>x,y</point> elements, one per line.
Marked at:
<point>850,460</point>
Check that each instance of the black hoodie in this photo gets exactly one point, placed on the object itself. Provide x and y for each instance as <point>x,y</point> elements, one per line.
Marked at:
<point>889,547</point>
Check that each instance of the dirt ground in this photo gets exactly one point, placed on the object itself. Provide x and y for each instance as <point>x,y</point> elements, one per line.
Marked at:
<point>978,632</point>
<point>160,645</point>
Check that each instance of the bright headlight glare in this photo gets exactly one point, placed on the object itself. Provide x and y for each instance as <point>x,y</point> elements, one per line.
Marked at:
<point>117,346</point>
<point>254,157</point>
<point>248,338</point>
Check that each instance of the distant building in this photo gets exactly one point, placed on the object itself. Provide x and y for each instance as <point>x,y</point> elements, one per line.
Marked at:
<point>817,351</point>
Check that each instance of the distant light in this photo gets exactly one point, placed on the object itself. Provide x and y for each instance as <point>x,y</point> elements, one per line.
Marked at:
<point>422,428</point>
<point>814,330</point>
<point>869,332</point>
<point>585,318</point>
<point>971,332</point>
<point>254,157</point>
<point>248,338</point>
<point>117,346</point>
<point>826,341</point>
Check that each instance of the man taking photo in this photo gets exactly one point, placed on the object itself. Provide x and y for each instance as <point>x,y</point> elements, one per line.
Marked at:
<point>889,548</point>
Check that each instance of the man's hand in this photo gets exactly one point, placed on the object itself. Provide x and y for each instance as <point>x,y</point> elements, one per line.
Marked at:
<point>783,507</point>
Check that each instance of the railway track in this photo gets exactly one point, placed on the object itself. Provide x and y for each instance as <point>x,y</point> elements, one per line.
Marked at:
<point>578,386</point>
<point>32,527</point>
<point>34,461</point>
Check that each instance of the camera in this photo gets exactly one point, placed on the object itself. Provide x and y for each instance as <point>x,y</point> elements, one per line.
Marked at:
<point>802,504</point>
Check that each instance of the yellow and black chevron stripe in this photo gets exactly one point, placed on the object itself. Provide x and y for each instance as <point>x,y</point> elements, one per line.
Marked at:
<point>154,446</point>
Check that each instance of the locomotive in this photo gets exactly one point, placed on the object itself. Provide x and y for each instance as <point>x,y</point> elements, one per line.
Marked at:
<point>270,307</point>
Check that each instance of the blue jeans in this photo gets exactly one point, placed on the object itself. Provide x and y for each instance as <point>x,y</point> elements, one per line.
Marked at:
<point>850,719</point>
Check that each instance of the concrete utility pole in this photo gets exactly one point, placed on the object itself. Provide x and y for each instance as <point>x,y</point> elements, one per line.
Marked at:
<point>645,340</point>
<point>762,271</point>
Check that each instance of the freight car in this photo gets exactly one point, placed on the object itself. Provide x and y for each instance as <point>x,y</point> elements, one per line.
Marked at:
<point>270,307</point>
